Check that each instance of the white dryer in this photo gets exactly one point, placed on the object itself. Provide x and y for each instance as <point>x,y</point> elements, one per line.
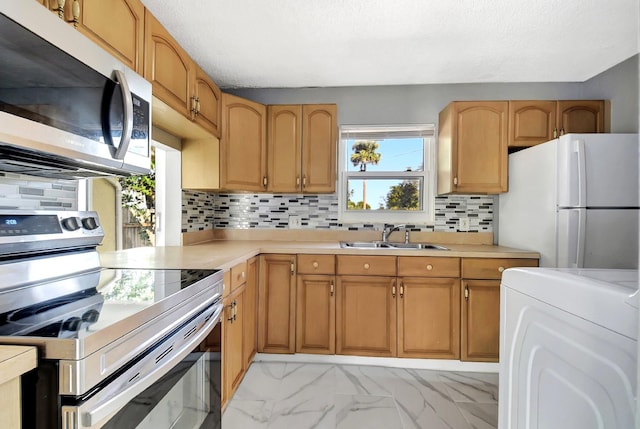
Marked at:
<point>568,348</point>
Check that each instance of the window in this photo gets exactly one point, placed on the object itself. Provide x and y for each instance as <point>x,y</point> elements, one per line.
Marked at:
<point>387,174</point>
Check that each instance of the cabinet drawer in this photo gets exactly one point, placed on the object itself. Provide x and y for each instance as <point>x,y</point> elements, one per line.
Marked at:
<point>316,264</point>
<point>367,265</point>
<point>492,268</point>
<point>238,275</point>
<point>428,266</point>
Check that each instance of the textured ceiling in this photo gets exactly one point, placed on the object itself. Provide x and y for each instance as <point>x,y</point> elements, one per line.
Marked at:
<point>309,43</point>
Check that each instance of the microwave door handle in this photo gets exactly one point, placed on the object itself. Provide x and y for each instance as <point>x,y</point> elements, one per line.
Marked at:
<point>127,108</point>
<point>96,414</point>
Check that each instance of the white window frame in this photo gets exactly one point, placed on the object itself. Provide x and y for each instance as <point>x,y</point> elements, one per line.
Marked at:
<point>416,217</point>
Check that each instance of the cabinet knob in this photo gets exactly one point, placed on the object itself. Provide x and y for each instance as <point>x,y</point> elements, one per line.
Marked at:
<point>500,269</point>
<point>429,267</point>
<point>366,266</point>
<point>242,275</point>
<point>315,264</point>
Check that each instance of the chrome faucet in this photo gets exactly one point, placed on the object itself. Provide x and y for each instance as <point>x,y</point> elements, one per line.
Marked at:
<point>388,229</point>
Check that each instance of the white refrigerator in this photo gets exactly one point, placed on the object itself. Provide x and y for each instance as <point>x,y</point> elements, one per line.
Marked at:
<point>575,201</point>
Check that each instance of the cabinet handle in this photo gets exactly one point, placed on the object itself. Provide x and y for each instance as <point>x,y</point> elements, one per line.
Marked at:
<point>235,310</point>
<point>264,181</point>
<point>293,268</point>
<point>197,106</point>
<point>429,267</point>
<point>297,180</point>
<point>230,307</point>
<point>561,131</point>
<point>332,288</point>
<point>555,133</point>
<point>366,266</point>
<point>393,289</point>
<point>75,9</point>
<point>304,182</point>
<point>466,292</point>
<point>500,269</point>
<point>242,275</point>
<point>455,181</point>
<point>61,9</point>
<point>401,290</point>
<point>315,264</point>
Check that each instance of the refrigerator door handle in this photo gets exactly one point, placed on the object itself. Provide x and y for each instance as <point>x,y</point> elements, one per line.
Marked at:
<point>577,233</point>
<point>581,170</point>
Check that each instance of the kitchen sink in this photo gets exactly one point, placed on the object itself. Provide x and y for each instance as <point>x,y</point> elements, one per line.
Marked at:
<point>389,245</point>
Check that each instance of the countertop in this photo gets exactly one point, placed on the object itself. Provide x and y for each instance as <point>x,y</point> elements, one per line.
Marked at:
<point>224,254</point>
<point>15,361</point>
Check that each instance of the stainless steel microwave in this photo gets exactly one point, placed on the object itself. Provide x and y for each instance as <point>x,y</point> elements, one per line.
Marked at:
<point>68,109</point>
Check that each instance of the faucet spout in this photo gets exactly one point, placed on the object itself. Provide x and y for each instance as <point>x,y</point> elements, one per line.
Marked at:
<point>388,229</point>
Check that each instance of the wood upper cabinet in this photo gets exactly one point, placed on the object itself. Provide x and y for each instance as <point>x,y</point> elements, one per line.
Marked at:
<point>232,344</point>
<point>480,306</point>
<point>168,67</point>
<point>302,148</point>
<point>472,148</point>
<point>531,122</point>
<point>207,111</point>
<point>319,139</point>
<point>581,116</point>
<point>276,309</point>
<point>243,144</point>
<point>116,25</point>
<point>537,121</point>
<point>250,313</point>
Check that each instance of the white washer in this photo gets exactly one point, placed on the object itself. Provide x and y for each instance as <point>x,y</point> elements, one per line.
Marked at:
<point>568,348</point>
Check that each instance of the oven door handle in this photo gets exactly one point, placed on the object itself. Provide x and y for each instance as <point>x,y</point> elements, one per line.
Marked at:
<point>95,411</point>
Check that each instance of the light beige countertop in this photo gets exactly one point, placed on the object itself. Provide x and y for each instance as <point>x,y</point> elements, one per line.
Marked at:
<point>15,361</point>
<point>224,254</point>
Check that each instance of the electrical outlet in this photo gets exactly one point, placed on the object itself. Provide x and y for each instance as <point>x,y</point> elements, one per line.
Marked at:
<point>463,224</point>
<point>294,222</point>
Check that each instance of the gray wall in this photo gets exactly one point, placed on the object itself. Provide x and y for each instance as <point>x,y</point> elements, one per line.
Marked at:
<point>421,103</point>
<point>620,85</point>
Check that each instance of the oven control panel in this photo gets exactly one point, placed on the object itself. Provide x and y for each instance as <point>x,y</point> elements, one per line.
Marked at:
<point>28,230</point>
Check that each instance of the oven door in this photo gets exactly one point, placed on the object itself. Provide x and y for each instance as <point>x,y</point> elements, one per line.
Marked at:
<point>175,385</point>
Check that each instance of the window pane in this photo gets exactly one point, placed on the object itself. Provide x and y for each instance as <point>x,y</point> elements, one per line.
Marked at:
<point>384,194</point>
<point>404,154</point>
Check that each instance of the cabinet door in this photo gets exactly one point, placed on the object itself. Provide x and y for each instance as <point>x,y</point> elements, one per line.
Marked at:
<point>243,144</point>
<point>319,134</point>
<point>472,148</point>
<point>117,26</point>
<point>283,151</point>
<point>581,116</point>
<point>316,315</point>
<point>250,313</point>
<point>167,67</point>
<point>276,309</point>
<point>480,321</point>
<point>429,318</point>
<point>232,359</point>
<point>531,122</point>
<point>366,316</point>
<point>209,102</point>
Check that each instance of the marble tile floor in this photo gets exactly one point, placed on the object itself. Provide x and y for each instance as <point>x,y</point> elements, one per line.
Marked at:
<point>276,395</point>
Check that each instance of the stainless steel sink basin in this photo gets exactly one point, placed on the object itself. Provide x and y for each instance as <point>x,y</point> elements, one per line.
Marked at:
<point>389,245</point>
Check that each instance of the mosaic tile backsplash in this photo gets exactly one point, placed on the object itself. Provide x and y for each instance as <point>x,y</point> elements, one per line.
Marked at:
<point>19,192</point>
<point>202,211</point>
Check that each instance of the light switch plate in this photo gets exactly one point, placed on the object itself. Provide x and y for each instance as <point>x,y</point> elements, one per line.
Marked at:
<point>294,222</point>
<point>463,224</point>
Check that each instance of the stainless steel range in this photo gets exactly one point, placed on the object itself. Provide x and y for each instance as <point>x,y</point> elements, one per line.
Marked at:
<point>118,348</point>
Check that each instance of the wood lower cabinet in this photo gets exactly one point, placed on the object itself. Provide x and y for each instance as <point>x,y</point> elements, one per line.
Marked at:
<point>480,306</point>
<point>316,314</point>
<point>232,344</point>
<point>250,304</point>
<point>276,309</point>
<point>243,144</point>
<point>366,315</point>
<point>472,148</point>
